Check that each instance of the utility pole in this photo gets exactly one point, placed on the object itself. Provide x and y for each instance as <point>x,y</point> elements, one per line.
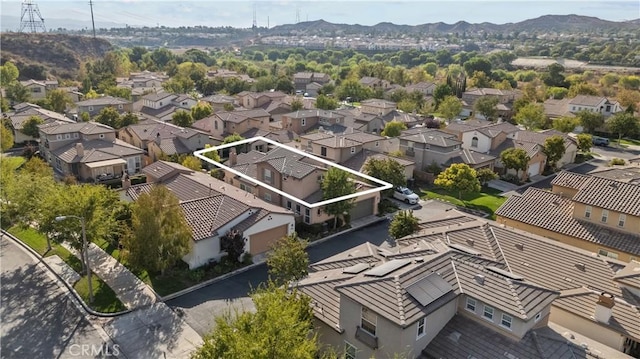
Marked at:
<point>93,23</point>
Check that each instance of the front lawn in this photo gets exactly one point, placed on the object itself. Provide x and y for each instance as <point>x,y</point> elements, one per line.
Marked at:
<point>487,201</point>
<point>105,299</point>
<point>13,162</point>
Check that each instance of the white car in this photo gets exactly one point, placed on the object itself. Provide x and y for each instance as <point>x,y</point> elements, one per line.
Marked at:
<point>406,195</point>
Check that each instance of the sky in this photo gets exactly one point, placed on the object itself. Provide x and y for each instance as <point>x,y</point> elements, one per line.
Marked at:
<point>271,13</point>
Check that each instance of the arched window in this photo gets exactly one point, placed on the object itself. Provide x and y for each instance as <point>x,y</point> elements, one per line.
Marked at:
<point>474,142</point>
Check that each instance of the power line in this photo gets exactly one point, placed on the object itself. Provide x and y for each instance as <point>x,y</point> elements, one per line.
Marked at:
<point>28,19</point>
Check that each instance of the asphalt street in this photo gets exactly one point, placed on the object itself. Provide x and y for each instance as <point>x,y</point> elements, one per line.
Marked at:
<point>203,305</point>
<point>38,318</point>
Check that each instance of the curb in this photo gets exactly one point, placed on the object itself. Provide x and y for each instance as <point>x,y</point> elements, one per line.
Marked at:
<point>69,287</point>
<point>251,266</point>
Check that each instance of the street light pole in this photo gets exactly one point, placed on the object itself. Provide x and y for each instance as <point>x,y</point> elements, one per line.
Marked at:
<point>84,254</point>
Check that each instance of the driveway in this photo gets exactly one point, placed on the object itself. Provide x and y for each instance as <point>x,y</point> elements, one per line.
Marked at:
<point>613,151</point>
<point>39,320</point>
<point>501,185</point>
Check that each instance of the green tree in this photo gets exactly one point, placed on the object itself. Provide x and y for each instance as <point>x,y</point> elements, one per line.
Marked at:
<point>403,224</point>
<point>628,98</point>
<point>554,149</point>
<point>486,106</point>
<point>441,92</point>
<point>297,105</point>
<point>201,110</point>
<point>8,74</point>
<point>582,89</point>
<point>623,124</point>
<point>58,100</point>
<point>30,126</point>
<point>91,94</point>
<point>17,93</point>
<point>554,76</point>
<point>477,64</point>
<point>108,116</point>
<point>450,108</point>
<point>233,243</point>
<point>515,158</point>
<point>458,177</point>
<point>279,328</point>
<point>337,183</point>
<point>388,170</point>
<point>121,92</point>
<point>531,116</point>
<point>160,235</point>
<point>485,175</point>
<point>630,82</point>
<point>324,102</point>
<point>590,121</point>
<point>393,128</point>
<point>127,120</point>
<point>6,138</point>
<point>182,118</point>
<point>565,124</point>
<point>585,142</point>
<point>288,261</point>
<point>192,162</point>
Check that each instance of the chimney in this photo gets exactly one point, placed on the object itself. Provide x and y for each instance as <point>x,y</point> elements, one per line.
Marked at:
<point>604,307</point>
<point>479,279</point>
<point>126,182</point>
<point>79,149</point>
<point>233,157</point>
<point>158,139</point>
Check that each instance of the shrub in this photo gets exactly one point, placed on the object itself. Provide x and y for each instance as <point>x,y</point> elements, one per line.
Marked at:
<point>510,177</point>
<point>617,162</point>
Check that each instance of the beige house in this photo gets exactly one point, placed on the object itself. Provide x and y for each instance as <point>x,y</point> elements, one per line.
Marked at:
<point>341,147</point>
<point>303,81</point>
<point>463,287</point>
<point>89,151</point>
<point>597,214</point>
<point>375,83</point>
<point>38,89</point>
<point>251,100</point>
<point>296,175</point>
<point>213,208</point>
<point>23,112</point>
<point>377,107</point>
<point>303,121</point>
<point>95,105</point>
<point>222,124</point>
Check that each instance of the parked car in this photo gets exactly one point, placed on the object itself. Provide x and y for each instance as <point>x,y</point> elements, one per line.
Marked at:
<point>600,141</point>
<point>406,195</point>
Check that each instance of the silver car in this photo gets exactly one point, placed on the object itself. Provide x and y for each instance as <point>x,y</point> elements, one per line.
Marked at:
<point>406,195</point>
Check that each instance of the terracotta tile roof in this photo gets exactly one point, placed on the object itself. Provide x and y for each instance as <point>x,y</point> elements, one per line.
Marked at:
<point>586,100</point>
<point>364,253</point>
<point>284,161</point>
<point>531,148</point>
<point>554,212</point>
<point>431,137</point>
<point>239,116</point>
<point>569,179</point>
<point>609,194</point>
<point>96,150</point>
<point>470,157</point>
<point>85,128</point>
<point>624,174</point>
<point>104,100</point>
<point>252,219</point>
<point>171,146</point>
<point>161,169</point>
<point>206,215</point>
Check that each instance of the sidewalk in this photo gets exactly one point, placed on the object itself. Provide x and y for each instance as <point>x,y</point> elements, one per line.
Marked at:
<point>131,291</point>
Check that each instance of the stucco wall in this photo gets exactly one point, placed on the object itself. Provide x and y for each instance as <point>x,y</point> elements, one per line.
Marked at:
<point>588,328</point>
<point>484,142</point>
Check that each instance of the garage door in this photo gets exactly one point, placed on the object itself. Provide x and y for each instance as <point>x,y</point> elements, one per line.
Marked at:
<point>362,209</point>
<point>534,169</point>
<point>261,242</point>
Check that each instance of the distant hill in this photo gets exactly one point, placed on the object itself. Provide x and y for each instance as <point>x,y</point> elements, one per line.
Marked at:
<point>547,23</point>
<point>61,55</point>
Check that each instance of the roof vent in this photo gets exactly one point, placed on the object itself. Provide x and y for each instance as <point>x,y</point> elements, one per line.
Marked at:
<point>470,241</point>
<point>479,279</point>
<point>581,266</point>
<point>613,185</point>
<point>520,246</point>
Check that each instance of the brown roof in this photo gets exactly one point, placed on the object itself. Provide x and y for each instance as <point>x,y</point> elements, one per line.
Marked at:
<point>629,275</point>
<point>104,100</point>
<point>96,150</point>
<point>554,212</point>
<point>206,215</point>
<point>569,179</point>
<point>357,161</point>
<point>586,100</point>
<point>610,194</point>
<point>160,169</point>
<point>85,128</point>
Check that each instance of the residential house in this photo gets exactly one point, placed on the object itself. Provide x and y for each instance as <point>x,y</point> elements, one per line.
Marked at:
<point>375,83</point>
<point>304,121</point>
<point>377,107</point>
<point>89,151</point>
<point>158,138</point>
<point>463,287</point>
<point>212,208</point>
<point>143,83</point>
<point>309,82</point>
<point>568,107</point>
<point>227,74</point>
<point>358,161</point>
<point>23,112</point>
<point>218,102</point>
<point>598,214</point>
<point>505,98</point>
<point>358,120</point>
<point>296,175</point>
<point>425,88</point>
<point>222,124</point>
<point>38,89</point>
<point>95,105</point>
<point>162,106</point>
<point>341,147</point>
<point>250,100</point>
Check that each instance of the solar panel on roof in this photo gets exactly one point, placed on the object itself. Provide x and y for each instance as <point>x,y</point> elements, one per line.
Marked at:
<point>387,267</point>
<point>429,288</point>
<point>355,269</point>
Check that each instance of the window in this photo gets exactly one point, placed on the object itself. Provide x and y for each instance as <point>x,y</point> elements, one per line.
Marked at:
<point>410,144</point>
<point>303,122</point>
<point>474,141</point>
<point>101,135</point>
<point>244,187</point>
<point>506,321</point>
<point>297,209</point>
<point>538,317</point>
<point>421,331</point>
<point>587,212</point>
<point>353,150</point>
<point>471,304</point>
<point>368,321</point>
<point>267,176</point>
<point>307,216</point>
<point>67,136</point>
<point>377,143</point>
<point>323,151</point>
<point>120,107</point>
<point>349,351</point>
<point>288,204</point>
<point>90,108</point>
<point>606,253</point>
<point>215,124</point>
<point>488,312</point>
<point>605,215</point>
<point>58,137</point>
<point>75,135</point>
<point>621,220</point>
<point>267,197</point>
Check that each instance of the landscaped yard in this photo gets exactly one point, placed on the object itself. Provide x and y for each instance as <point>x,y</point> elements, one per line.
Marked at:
<point>487,201</point>
<point>13,162</point>
<point>105,299</point>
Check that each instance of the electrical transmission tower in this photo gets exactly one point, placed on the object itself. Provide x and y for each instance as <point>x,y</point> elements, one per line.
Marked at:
<point>31,20</point>
<point>255,20</point>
